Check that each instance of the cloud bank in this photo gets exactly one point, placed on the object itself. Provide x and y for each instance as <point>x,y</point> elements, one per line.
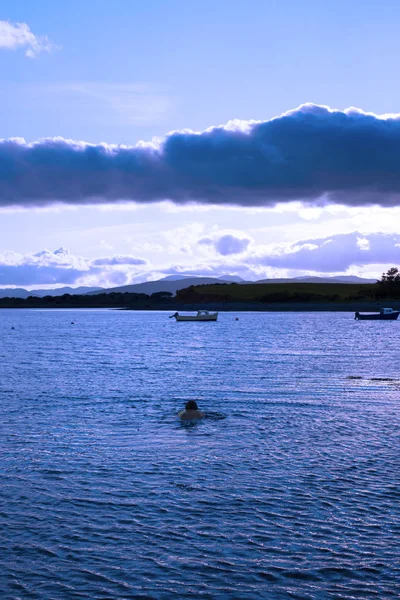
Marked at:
<point>334,254</point>
<point>19,35</point>
<point>314,154</point>
<point>118,259</point>
<point>60,267</point>
<point>337,254</point>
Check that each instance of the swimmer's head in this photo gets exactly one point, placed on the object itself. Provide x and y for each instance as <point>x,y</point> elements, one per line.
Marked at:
<point>191,405</point>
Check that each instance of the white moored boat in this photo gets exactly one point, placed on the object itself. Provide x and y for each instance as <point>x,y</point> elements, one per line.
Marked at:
<point>202,315</point>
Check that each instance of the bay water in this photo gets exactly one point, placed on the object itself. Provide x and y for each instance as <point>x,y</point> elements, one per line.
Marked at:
<point>289,488</point>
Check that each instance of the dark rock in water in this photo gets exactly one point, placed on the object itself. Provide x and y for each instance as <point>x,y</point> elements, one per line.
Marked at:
<point>215,416</point>
<point>372,378</point>
<point>185,486</point>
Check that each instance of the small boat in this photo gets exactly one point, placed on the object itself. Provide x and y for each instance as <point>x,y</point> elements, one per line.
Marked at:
<point>202,315</point>
<point>386,314</point>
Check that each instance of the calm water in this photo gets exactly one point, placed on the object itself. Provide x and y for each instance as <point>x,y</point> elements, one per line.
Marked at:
<point>289,489</point>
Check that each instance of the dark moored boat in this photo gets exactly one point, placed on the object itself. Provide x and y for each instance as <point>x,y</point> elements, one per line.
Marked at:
<point>386,314</point>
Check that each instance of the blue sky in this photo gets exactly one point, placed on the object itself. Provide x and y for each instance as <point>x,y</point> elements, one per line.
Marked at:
<point>128,71</point>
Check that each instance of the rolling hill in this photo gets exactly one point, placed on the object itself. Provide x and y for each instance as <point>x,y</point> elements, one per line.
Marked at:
<point>163,285</point>
<point>173,283</point>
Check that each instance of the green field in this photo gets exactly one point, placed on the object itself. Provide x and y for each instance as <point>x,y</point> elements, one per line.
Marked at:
<point>289,292</point>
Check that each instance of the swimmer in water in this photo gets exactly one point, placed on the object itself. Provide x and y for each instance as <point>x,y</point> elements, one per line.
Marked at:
<point>191,412</point>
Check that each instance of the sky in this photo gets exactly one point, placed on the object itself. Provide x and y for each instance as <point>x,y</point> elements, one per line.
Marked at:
<point>144,139</point>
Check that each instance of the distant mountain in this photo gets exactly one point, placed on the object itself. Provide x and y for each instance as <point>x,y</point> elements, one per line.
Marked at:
<point>23,293</point>
<point>65,290</point>
<point>312,279</point>
<point>162,285</point>
<point>172,283</point>
<point>174,277</point>
<point>14,293</point>
<point>233,279</point>
<point>226,278</point>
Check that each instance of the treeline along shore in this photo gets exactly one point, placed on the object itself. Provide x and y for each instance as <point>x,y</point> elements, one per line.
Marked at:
<point>233,297</point>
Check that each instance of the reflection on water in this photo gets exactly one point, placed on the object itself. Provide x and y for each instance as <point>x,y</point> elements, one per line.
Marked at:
<point>287,489</point>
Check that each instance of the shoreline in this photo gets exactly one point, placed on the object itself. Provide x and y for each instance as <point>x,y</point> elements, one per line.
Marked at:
<point>280,307</point>
<point>225,306</point>
<point>297,297</point>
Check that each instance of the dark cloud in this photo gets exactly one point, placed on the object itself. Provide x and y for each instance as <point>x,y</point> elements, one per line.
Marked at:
<point>230,244</point>
<point>336,253</point>
<point>311,153</point>
<point>226,244</point>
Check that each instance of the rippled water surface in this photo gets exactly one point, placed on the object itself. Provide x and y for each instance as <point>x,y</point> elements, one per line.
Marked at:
<point>288,489</point>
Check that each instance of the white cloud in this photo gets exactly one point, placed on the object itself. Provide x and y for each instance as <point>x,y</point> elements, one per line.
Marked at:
<point>183,238</point>
<point>19,35</point>
<point>363,243</point>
